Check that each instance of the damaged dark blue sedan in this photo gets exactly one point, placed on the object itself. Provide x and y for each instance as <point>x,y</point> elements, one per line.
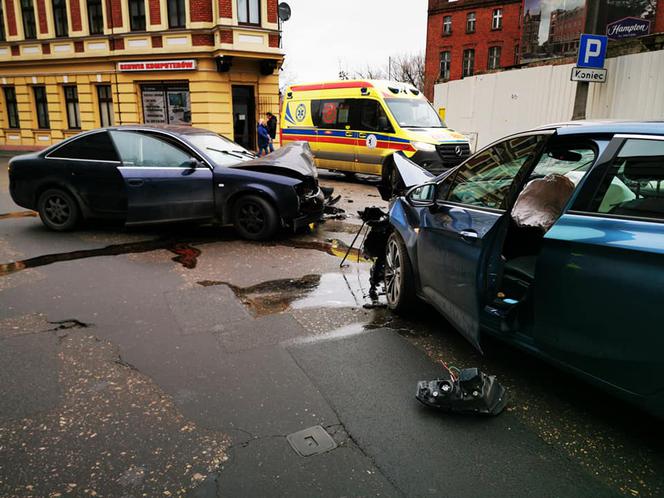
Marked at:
<point>149,174</point>
<point>552,240</point>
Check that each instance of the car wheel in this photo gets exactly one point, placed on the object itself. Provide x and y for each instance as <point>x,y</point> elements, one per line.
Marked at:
<point>255,218</point>
<point>58,210</point>
<point>399,281</point>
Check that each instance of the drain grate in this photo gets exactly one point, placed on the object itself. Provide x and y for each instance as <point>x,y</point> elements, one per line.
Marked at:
<point>311,441</point>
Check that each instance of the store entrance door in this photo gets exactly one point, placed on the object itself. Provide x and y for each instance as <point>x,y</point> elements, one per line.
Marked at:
<point>244,116</point>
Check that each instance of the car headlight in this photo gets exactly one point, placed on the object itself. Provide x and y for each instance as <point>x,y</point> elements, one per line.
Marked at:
<point>423,146</point>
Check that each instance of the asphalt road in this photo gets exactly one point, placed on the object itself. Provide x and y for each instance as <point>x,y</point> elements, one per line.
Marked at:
<point>177,361</point>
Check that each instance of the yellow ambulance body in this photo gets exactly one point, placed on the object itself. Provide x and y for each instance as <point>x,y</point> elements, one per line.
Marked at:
<point>353,126</point>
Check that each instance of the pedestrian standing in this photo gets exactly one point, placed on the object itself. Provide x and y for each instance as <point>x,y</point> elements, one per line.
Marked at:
<point>271,128</point>
<point>263,138</point>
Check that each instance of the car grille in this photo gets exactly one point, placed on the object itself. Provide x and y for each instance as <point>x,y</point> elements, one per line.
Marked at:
<point>448,153</point>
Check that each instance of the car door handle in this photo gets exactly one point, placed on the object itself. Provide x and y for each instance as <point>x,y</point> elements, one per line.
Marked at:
<point>349,133</point>
<point>135,182</point>
<point>363,135</point>
<point>469,235</point>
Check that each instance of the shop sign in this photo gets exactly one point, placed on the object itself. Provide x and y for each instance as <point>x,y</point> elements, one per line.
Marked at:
<point>177,65</point>
<point>629,27</point>
<point>154,107</point>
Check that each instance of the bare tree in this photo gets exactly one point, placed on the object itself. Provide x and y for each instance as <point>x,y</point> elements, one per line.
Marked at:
<point>405,68</point>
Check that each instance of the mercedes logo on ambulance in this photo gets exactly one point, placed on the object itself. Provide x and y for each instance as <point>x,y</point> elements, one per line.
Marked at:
<point>458,150</point>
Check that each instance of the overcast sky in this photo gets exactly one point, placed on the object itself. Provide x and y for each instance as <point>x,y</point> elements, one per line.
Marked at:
<point>323,33</point>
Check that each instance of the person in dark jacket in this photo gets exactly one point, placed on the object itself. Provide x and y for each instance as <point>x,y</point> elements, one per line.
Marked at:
<point>263,138</point>
<point>271,129</point>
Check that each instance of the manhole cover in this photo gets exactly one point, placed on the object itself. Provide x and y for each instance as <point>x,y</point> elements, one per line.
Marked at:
<point>311,441</point>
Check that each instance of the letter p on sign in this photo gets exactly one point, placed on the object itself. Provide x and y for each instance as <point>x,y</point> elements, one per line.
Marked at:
<point>592,51</point>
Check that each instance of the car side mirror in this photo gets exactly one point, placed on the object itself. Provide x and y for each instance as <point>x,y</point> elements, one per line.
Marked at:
<point>422,195</point>
<point>191,164</point>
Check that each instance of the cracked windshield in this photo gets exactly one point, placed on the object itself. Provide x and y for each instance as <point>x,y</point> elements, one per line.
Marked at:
<point>264,248</point>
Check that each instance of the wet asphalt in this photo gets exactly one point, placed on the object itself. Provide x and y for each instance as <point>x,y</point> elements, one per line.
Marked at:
<point>177,360</point>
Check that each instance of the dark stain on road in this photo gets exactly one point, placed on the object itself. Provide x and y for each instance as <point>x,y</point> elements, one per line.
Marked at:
<point>186,254</point>
<point>334,247</point>
<point>18,214</point>
<point>273,296</point>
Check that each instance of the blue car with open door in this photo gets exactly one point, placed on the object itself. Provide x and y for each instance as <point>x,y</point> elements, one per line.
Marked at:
<point>552,240</point>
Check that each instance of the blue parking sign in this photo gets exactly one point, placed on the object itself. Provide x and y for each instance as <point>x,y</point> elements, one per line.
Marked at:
<point>592,51</point>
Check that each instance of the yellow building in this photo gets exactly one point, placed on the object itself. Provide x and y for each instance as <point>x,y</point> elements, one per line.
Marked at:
<point>72,65</point>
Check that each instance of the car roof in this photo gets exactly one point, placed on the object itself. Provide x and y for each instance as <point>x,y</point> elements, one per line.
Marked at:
<point>175,129</point>
<point>600,127</point>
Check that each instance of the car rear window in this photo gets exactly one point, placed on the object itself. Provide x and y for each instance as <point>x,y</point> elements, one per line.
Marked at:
<point>93,147</point>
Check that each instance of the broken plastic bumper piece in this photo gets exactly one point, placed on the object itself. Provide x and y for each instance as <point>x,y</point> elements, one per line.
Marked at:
<point>472,392</point>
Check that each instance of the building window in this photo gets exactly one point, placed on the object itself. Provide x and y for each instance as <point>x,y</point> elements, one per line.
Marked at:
<point>28,15</point>
<point>2,23</point>
<point>248,11</point>
<point>494,58</point>
<point>12,107</point>
<point>60,17</point>
<point>447,25</point>
<point>71,101</point>
<point>137,15</point>
<point>176,14</point>
<point>497,19</point>
<point>105,105</point>
<point>445,60</point>
<point>95,17</point>
<point>468,62</point>
<point>470,22</point>
<point>42,107</point>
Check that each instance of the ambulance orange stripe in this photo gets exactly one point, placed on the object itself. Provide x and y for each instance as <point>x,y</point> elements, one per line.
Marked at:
<point>332,86</point>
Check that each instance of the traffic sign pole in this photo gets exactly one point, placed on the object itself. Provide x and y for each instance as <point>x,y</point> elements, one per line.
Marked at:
<point>591,26</point>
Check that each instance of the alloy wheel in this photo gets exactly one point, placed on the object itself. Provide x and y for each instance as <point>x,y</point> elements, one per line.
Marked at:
<point>392,272</point>
<point>57,209</point>
<point>252,217</point>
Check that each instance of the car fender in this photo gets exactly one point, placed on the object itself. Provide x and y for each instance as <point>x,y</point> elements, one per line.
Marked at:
<point>55,182</point>
<point>403,221</point>
<point>282,197</point>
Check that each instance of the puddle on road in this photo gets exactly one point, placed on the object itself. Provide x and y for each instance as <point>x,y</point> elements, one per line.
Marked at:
<point>330,290</point>
<point>18,214</point>
<point>186,254</point>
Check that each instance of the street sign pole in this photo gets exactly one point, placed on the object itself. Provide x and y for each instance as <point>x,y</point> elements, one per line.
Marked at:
<point>591,26</point>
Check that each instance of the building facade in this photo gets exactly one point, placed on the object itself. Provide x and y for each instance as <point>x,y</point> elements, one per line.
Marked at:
<point>73,65</point>
<point>467,37</point>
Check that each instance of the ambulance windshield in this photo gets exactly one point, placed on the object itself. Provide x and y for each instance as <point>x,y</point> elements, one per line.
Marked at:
<point>414,113</point>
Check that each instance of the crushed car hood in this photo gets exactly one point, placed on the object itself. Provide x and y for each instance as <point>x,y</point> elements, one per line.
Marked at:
<point>294,160</point>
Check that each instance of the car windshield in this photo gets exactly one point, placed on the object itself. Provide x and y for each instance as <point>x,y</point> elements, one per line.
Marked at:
<point>414,113</point>
<point>222,151</point>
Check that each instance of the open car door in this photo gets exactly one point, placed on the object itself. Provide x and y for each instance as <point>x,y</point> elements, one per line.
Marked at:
<point>457,232</point>
<point>163,179</point>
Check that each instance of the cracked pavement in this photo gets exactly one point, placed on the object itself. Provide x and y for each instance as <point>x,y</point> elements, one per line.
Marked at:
<point>176,360</point>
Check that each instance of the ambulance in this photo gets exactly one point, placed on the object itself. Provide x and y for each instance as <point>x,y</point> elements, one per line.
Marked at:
<point>356,126</point>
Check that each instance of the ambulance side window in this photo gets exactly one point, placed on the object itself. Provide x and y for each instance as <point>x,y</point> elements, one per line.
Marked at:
<point>373,117</point>
<point>331,113</point>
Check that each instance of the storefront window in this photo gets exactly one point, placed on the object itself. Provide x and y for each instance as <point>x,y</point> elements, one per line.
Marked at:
<point>95,17</point>
<point>42,107</point>
<point>71,101</point>
<point>166,104</point>
<point>176,14</point>
<point>105,105</point>
<point>60,17</point>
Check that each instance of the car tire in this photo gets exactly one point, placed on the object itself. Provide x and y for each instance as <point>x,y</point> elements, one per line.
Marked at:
<point>255,218</point>
<point>399,279</point>
<point>58,210</point>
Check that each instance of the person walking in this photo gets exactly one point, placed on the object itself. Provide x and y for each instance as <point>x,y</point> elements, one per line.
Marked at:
<point>263,138</point>
<point>271,129</point>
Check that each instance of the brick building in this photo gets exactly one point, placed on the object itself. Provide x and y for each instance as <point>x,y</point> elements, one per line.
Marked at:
<point>466,37</point>
<point>72,65</point>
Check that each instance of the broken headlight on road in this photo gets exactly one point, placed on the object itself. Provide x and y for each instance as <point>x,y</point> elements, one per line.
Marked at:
<point>471,392</point>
